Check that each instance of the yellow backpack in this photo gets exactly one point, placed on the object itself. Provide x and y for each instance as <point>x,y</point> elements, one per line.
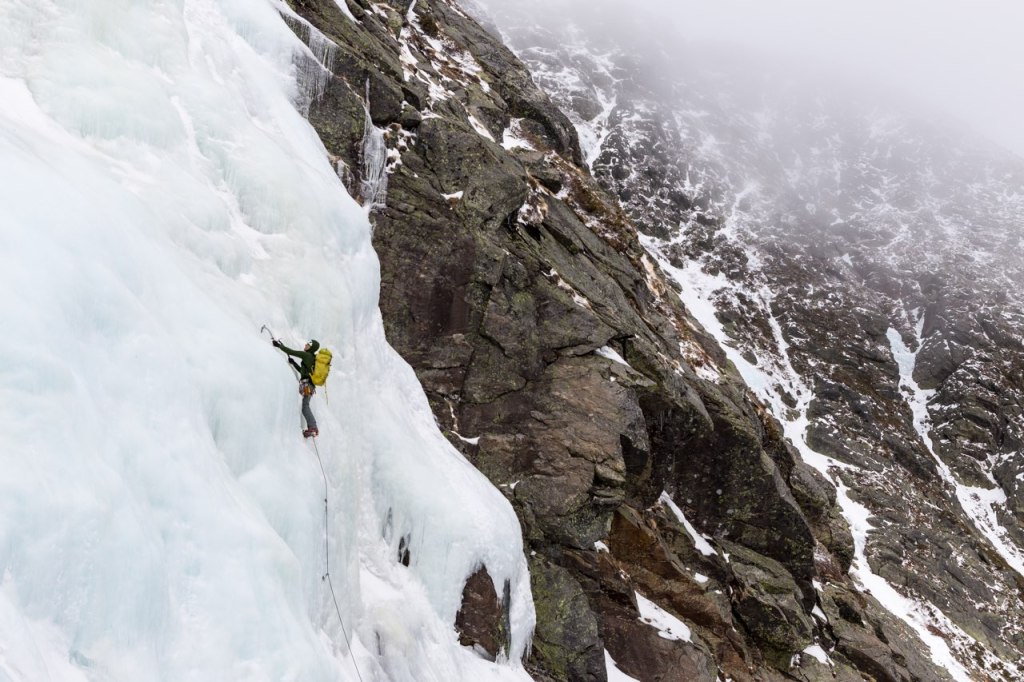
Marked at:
<point>321,367</point>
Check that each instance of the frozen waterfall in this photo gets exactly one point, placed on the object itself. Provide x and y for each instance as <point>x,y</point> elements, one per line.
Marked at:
<point>374,156</point>
<point>161,517</point>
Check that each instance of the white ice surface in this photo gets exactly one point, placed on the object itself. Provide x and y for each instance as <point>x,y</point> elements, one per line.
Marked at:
<point>373,161</point>
<point>160,516</point>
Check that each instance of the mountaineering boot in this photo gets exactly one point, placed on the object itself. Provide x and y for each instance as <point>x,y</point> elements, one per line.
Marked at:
<point>311,433</point>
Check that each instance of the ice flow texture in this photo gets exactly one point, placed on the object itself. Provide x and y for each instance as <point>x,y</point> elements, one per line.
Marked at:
<point>160,515</point>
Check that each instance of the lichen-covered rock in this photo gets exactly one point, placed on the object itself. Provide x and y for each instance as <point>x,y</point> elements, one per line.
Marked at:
<point>566,642</point>
<point>769,605</point>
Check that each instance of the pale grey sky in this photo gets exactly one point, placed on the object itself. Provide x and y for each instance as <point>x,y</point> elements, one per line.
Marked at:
<point>962,57</point>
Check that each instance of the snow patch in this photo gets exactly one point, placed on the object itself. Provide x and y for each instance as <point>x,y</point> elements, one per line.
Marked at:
<point>611,354</point>
<point>978,503</point>
<point>668,626</point>
<point>512,137</point>
<point>815,651</point>
<point>471,441</point>
<point>699,541</point>
<point>613,672</point>
<point>343,6</point>
<point>480,128</point>
<point>922,618</point>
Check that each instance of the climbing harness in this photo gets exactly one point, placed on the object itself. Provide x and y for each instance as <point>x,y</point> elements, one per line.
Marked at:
<point>327,564</point>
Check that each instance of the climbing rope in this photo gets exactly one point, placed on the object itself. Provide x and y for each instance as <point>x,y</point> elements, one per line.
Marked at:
<point>327,548</point>
<point>327,564</point>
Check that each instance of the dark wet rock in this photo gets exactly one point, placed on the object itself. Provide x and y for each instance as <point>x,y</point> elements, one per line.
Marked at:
<point>810,669</point>
<point>483,618</point>
<point>736,491</point>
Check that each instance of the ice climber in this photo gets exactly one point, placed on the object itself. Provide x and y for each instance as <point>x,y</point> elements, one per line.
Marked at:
<point>307,356</point>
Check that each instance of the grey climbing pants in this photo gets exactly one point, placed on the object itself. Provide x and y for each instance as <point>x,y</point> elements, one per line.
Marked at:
<point>307,413</point>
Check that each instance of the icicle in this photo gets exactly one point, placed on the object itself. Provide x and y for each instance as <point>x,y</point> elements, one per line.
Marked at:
<point>374,184</point>
<point>346,175</point>
<point>314,69</point>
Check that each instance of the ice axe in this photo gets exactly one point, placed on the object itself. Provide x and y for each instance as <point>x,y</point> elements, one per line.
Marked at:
<point>291,363</point>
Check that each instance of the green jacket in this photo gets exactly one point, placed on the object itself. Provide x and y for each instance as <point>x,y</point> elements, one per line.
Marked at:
<point>308,358</point>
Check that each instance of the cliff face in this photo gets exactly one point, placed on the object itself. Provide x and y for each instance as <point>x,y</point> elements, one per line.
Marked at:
<point>559,357</point>
<point>864,269</point>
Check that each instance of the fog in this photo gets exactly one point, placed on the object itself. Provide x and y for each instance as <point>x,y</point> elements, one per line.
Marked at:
<point>964,58</point>
<point>957,58</point>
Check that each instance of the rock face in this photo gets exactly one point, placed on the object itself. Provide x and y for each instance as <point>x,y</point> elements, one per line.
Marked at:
<point>483,620</point>
<point>558,356</point>
<point>864,271</point>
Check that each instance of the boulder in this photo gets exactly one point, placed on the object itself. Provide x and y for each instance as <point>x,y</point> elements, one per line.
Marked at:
<point>566,643</point>
<point>769,605</point>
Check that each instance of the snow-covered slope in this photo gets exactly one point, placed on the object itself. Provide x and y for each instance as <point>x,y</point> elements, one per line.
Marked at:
<point>161,197</point>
